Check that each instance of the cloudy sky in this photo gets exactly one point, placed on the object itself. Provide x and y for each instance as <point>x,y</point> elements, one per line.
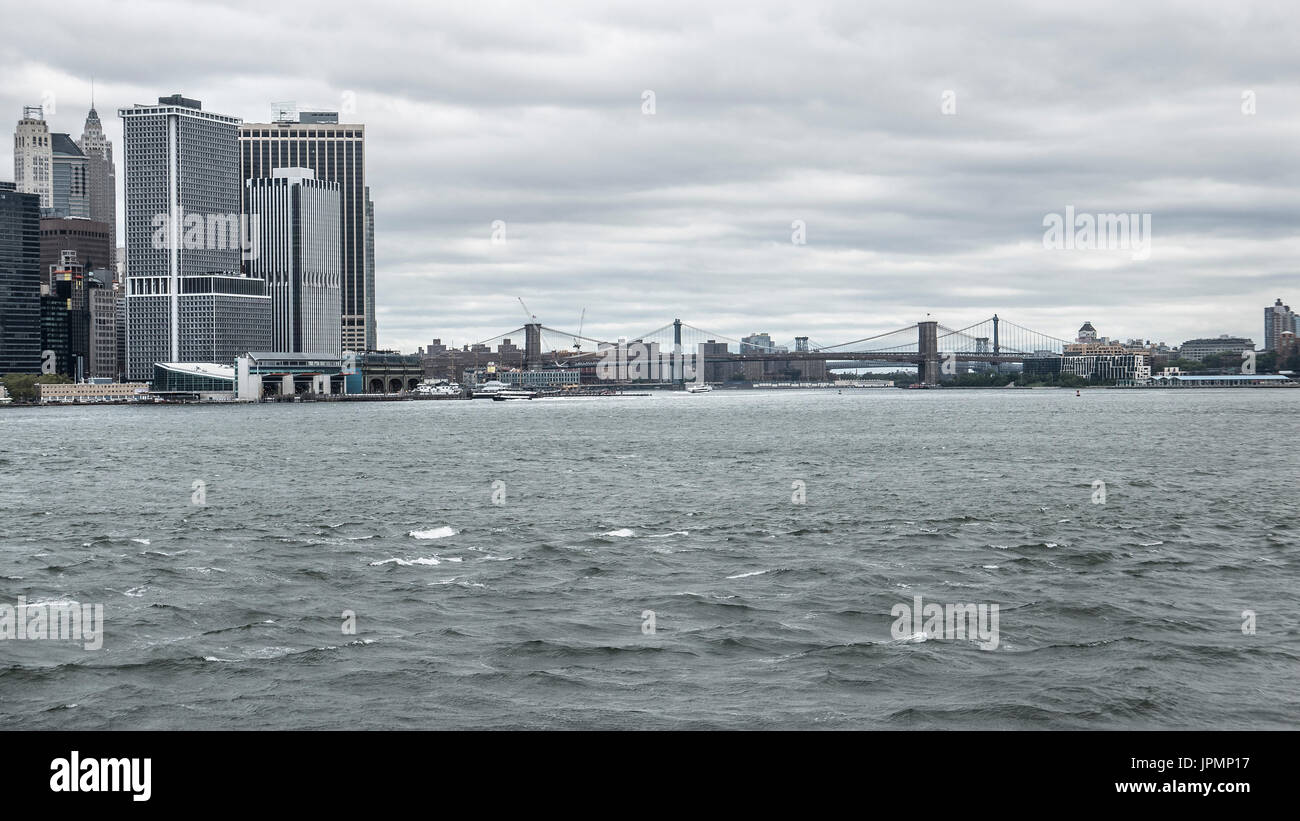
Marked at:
<point>764,114</point>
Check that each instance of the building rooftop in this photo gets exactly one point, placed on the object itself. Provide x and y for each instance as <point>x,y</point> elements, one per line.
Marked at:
<point>200,369</point>
<point>1224,377</point>
<point>63,144</point>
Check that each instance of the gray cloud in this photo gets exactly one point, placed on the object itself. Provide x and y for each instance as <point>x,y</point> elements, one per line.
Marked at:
<point>765,114</point>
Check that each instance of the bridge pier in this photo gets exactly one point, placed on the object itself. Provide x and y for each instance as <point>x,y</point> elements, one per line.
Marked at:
<point>927,348</point>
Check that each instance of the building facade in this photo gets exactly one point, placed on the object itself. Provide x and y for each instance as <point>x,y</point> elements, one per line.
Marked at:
<point>1278,318</point>
<point>34,157</point>
<point>336,153</point>
<point>20,281</point>
<point>71,191</point>
<point>101,180</point>
<point>297,222</point>
<point>77,392</point>
<point>103,330</point>
<point>1198,349</point>
<point>187,298</point>
<point>90,240</point>
<point>1101,367</point>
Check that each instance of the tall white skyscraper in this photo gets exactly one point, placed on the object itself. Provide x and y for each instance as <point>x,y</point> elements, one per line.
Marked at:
<point>187,297</point>
<point>296,218</point>
<point>34,157</point>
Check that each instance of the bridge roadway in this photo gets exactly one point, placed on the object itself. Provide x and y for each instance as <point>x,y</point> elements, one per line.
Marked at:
<point>926,358</point>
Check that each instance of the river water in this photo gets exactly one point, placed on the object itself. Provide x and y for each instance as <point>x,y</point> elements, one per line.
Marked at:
<point>726,560</point>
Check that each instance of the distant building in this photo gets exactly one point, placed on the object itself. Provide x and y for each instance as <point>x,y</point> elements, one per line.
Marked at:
<point>90,239</point>
<point>187,298</point>
<point>103,362</point>
<point>65,318</point>
<point>1198,349</point>
<point>193,380</point>
<point>336,152</point>
<point>34,157</point>
<point>1223,380</point>
<point>1278,318</point>
<point>1047,365</point>
<point>756,343</point>
<point>385,372</point>
<point>1106,367</point>
<point>79,392</point>
<point>101,180</point>
<point>20,281</point>
<point>71,189</point>
<point>267,373</point>
<point>1094,348</point>
<point>297,217</point>
<point>1087,333</point>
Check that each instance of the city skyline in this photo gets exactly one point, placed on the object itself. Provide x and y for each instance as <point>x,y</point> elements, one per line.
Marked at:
<point>832,117</point>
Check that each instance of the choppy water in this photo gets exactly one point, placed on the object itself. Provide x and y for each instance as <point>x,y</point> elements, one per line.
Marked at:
<point>768,614</point>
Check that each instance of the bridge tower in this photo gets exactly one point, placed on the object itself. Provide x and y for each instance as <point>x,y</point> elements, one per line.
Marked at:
<point>679,375</point>
<point>997,348</point>
<point>532,346</point>
<point>927,348</point>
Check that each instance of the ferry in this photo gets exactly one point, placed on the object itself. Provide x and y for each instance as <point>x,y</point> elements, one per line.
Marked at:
<point>699,387</point>
<point>444,388</point>
<point>500,391</point>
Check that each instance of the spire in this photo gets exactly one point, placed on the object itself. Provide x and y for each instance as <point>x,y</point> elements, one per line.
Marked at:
<point>93,115</point>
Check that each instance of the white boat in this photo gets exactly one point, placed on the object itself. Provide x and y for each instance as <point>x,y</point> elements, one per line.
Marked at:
<point>495,389</point>
<point>430,388</point>
<point>699,387</point>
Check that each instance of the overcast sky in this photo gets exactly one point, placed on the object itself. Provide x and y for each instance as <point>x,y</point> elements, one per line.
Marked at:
<point>764,114</point>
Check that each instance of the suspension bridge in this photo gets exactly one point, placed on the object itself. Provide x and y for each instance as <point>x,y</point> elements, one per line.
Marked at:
<point>926,344</point>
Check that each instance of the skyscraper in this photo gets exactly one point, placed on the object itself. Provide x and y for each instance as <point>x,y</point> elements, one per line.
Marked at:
<point>71,193</point>
<point>101,175</point>
<point>20,281</point>
<point>65,317</point>
<point>103,328</point>
<point>1277,318</point>
<point>371,328</point>
<point>187,298</point>
<point>336,153</point>
<point>33,157</point>
<point>297,219</point>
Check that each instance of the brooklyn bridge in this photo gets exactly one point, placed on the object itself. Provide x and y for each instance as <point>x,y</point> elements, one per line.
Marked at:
<point>926,345</point>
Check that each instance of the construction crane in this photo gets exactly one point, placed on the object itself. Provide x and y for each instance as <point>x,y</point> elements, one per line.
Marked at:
<point>577,343</point>
<point>531,316</point>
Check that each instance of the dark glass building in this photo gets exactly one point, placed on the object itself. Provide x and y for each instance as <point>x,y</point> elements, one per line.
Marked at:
<point>65,319</point>
<point>336,152</point>
<point>89,238</point>
<point>20,281</point>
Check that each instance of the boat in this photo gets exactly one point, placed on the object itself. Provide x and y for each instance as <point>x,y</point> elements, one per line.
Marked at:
<point>500,391</point>
<point>699,387</point>
<point>443,388</point>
